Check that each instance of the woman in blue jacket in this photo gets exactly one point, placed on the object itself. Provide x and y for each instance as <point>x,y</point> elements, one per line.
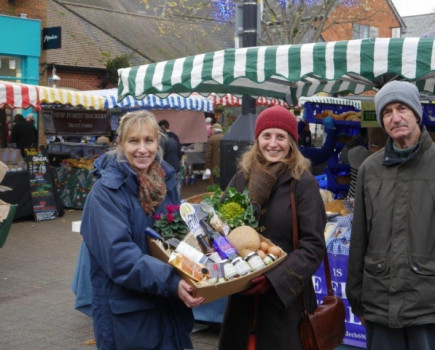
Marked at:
<point>138,302</point>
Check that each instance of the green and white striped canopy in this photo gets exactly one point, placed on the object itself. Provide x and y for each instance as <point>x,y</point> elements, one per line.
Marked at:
<point>288,71</point>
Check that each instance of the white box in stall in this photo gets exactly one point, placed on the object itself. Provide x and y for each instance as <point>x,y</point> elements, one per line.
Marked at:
<point>199,147</point>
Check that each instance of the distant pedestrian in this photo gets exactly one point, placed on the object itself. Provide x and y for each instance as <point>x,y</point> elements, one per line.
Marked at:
<point>171,147</point>
<point>164,125</point>
<point>319,156</point>
<point>213,152</point>
<point>23,134</point>
<point>171,151</point>
<point>208,121</point>
<point>30,118</point>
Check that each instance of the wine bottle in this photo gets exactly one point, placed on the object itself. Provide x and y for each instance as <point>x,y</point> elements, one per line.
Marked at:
<point>204,245</point>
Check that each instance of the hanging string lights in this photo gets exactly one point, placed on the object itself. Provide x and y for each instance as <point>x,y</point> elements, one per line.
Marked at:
<point>224,10</point>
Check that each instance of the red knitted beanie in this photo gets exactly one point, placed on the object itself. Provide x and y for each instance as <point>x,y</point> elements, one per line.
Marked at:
<point>277,117</point>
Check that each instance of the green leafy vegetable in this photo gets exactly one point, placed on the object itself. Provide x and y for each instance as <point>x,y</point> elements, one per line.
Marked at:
<point>235,209</point>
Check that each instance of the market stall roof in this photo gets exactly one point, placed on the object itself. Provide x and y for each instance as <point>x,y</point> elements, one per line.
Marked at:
<point>74,98</point>
<point>231,100</point>
<point>331,101</point>
<point>14,95</point>
<point>289,71</point>
<point>194,103</point>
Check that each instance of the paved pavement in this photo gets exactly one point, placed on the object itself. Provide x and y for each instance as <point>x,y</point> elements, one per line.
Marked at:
<point>36,302</point>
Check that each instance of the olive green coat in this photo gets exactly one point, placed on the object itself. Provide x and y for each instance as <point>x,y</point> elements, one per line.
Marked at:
<point>391,271</point>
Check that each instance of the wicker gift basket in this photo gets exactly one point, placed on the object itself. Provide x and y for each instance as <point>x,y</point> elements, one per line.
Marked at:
<point>199,197</point>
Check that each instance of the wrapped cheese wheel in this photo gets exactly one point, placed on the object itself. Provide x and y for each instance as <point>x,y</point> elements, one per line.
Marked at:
<point>244,239</point>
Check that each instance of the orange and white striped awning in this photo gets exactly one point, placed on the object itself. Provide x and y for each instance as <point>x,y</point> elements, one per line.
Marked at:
<point>233,101</point>
<point>74,98</point>
<point>14,95</point>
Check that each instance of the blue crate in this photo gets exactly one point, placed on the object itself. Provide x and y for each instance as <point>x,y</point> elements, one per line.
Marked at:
<point>429,114</point>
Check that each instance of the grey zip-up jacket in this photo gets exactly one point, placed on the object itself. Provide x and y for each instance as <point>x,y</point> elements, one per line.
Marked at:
<point>391,271</point>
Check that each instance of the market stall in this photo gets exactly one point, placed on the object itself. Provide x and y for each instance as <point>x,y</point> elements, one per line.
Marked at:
<point>184,114</point>
<point>16,96</point>
<point>288,72</point>
<point>285,72</point>
<point>73,113</point>
<point>347,122</point>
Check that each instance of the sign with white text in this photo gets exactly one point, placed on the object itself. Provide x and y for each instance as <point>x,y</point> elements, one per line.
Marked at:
<point>75,122</point>
<point>51,38</point>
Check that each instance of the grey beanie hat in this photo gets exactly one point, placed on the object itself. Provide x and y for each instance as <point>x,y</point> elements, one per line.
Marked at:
<point>398,91</point>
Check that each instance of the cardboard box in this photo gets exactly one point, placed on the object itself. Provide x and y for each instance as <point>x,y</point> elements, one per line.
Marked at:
<point>215,291</point>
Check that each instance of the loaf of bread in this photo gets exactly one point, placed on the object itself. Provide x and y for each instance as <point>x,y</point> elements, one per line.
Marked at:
<point>244,239</point>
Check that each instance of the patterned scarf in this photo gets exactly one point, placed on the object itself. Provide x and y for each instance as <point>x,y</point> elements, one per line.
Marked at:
<point>262,179</point>
<point>152,187</point>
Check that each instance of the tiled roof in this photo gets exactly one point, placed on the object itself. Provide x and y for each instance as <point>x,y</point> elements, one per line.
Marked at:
<point>89,31</point>
<point>82,43</point>
<point>420,25</point>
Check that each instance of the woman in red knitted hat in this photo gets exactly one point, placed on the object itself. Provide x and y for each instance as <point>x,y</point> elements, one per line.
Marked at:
<point>267,315</point>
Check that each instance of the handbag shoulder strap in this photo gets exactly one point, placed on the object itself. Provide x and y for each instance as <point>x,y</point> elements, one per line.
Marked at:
<point>296,240</point>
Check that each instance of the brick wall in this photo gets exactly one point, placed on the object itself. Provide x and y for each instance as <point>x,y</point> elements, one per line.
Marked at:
<point>375,13</point>
<point>35,9</point>
<point>79,80</point>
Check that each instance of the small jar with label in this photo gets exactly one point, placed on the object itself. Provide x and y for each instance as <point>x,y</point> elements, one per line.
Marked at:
<point>254,260</point>
<point>242,266</point>
<point>229,269</point>
<point>269,259</point>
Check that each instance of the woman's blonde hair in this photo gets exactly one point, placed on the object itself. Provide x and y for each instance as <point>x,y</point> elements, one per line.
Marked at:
<point>134,121</point>
<point>295,161</point>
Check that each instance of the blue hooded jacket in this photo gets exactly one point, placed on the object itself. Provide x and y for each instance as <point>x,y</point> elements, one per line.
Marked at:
<point>134,295</point>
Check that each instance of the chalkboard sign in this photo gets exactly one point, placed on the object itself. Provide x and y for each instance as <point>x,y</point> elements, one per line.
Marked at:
<point>41,184</point>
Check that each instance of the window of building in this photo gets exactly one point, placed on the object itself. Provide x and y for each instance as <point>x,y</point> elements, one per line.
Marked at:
<point>395,33</point>
<point>361,31</point>
<point>10,67</point>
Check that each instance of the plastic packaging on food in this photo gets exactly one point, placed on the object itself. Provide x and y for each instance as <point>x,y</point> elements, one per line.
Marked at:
<point>195,271</point>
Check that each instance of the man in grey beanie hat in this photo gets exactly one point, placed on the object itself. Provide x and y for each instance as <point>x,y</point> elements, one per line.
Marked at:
<point>391,267</point>
<point>396,91</point>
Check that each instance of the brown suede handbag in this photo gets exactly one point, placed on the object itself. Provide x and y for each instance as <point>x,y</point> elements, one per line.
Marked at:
<point>324,328</point>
